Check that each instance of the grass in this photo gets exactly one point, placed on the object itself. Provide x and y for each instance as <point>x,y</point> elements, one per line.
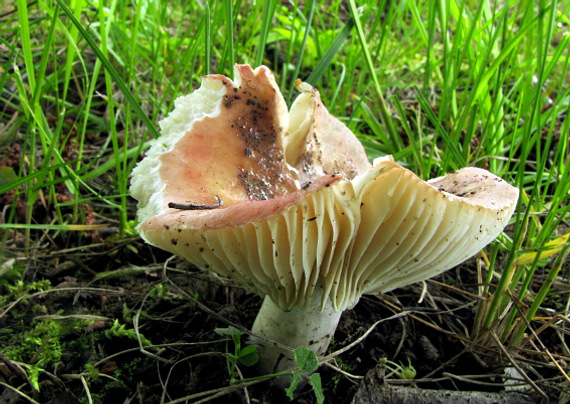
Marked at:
<point>439,85</point>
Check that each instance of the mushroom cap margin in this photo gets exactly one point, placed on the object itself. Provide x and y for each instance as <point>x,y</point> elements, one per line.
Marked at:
<point>385,229</point>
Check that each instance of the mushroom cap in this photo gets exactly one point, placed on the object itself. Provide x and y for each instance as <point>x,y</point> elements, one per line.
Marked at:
<point>300,207</point>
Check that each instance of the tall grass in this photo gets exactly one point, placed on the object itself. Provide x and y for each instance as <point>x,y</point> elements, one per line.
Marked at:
<point>438,84</point>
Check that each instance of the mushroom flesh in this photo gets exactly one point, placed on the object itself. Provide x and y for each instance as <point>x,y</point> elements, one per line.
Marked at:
<point>287,204</point>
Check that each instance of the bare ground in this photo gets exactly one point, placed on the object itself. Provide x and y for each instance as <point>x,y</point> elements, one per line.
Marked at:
<point>138,293</point>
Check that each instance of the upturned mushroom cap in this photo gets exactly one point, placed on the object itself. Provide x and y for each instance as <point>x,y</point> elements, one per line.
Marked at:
<point>287,202</point>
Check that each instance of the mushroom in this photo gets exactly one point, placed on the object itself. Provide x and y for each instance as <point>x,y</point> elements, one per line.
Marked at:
<point>287,204</point>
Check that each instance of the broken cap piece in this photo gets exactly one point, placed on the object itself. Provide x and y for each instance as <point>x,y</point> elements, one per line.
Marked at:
<point>288,205</point>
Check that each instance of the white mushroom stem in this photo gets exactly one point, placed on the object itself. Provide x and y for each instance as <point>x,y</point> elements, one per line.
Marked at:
<point>311,326</point>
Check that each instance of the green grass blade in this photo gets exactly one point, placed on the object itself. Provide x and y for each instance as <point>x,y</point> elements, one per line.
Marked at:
<point>207,38</point>
<point>230,33</point>
<point>384,112</point>
<point>26,42</point>
<point>268,12</point>
<point>307,30</point>
<point>133,102</point>
<point>324,63</point>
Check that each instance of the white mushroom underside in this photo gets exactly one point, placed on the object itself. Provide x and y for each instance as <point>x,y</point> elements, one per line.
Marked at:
<point>412,232</point>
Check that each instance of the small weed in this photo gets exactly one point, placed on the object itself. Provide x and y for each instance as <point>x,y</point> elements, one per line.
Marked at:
<point>91,371</point>
<point>160,292</point>
<point>246,356</point>
<point>337,377</point>
<point>40,347</point>
<point>307,363</point>
<point>121,331</point>
<point>21,289</point>
<point>402,372</point>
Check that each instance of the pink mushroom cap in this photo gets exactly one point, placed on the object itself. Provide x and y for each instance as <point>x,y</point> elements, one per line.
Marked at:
<point>285,202</point>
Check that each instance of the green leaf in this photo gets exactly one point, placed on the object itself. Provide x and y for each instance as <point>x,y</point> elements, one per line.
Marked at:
<point>407,372</point>
<point>230,331</point>
<point>248,356</point>
<point>550,248</point>
<point>7,176</point>
<point>294,383</point>
<point>315,381</point>
<point>34,375</point>
<point>306,360</point>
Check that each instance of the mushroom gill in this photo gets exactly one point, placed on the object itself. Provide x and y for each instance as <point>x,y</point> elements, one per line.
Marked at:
<point>287,204</point>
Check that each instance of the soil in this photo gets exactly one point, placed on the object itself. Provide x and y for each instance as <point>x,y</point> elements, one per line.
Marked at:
<point>87,298</point>
<point>177,309</point>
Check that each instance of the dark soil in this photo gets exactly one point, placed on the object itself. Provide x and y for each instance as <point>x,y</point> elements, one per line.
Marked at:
<point>178,309</point>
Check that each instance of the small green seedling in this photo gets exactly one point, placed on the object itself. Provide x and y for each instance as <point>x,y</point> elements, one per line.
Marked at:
<point>246,356</point>
<point>307,363</point>
<point>121,331</point>
<point>401,371</point>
